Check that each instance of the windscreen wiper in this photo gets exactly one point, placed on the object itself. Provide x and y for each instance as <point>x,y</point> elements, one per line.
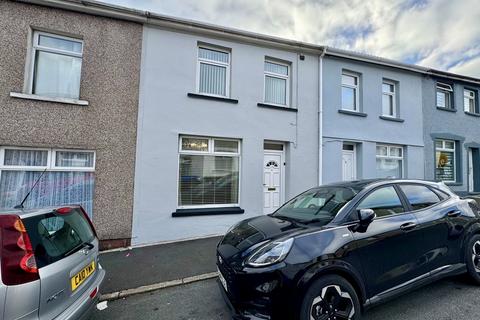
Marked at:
<point>80,246</point>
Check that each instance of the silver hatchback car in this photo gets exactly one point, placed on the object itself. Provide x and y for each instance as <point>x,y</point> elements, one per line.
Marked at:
<point>49,264</point>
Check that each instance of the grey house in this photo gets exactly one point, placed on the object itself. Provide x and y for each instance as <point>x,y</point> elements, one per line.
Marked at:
<point>452,130</point>
<point>372,118</point>
<point>228,128</point>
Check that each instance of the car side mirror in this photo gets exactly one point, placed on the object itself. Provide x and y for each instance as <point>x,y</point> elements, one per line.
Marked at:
<point>366,216</point>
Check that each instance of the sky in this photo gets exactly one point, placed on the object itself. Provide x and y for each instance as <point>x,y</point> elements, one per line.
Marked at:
<point>441,34</point>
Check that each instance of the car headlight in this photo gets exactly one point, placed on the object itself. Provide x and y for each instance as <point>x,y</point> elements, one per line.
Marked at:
<point>271,253</point>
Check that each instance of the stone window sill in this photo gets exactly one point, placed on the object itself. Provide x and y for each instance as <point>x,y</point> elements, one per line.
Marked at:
<point>48,99</point>
<point>447,109</point>
<point>276,107</point>
<point>472,114</point>
<point>391,119</point>
<point>207,211</point>
<point>352,113</point>
<point>208,97</point>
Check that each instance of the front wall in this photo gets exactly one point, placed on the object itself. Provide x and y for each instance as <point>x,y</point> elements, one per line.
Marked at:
<point>168,74</point>
<point>110,79</point>
<point>370,130</point>
<point>455,125</point>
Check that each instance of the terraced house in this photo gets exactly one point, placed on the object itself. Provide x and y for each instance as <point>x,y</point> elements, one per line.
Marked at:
<point>230,124</point>
<point>68,111</point>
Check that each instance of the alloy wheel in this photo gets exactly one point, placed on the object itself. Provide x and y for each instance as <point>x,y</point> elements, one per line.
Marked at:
<point>333,304</point>
<point>476,256</point>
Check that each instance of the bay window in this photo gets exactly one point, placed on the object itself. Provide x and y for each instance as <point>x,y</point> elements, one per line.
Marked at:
<point>208,172</point>
<point>68,179</point>
<point>444,96</point>
<point>277,83</point>
<point>56,64</point>
<point>445,161</point>
<point>213,71</point>
<point>389,161</point>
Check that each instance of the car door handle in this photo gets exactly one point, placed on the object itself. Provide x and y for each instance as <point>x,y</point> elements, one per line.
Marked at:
<point>454,213</point>
<point>408,226</point>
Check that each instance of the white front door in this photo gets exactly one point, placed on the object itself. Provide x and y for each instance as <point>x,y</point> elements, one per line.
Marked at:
<point>272,181</point>
<point>471,184</point>
<point>348,165</point>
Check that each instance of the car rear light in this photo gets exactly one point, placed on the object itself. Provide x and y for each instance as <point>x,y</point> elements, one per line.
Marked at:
<point>18,258</point>
<point>65,210</point>
<point>93,294</point>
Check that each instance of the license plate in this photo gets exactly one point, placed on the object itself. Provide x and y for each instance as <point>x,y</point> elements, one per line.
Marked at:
<point>222,280</point>
<point>83,275</point>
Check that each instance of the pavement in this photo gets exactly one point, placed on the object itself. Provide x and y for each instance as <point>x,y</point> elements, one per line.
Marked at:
<point>144,266</point>
<point>448,299</point>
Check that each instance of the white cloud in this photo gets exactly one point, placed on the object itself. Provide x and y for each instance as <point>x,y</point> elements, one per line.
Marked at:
<point>443,34</point>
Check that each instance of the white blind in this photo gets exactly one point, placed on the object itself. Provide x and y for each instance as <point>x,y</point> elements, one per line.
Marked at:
<point>275,90</point>
<point>213,79</point>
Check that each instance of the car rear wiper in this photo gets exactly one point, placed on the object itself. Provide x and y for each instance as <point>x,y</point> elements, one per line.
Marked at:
<point>78,247</point>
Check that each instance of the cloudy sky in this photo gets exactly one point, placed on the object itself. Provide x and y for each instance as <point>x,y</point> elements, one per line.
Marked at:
<point>443,34</point>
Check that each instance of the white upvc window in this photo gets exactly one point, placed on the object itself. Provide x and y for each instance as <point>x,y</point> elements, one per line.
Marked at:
<point>444,95</point>
<point>445,160</point>
<point>277,83</point>
<point>208,172</point>
<point>389,103</point>
<point>389,161</point>
<point>68,178</point>
<point>469,101</point>
<point>213,71</point>
<point>55,66</point>
<point>350,91</point>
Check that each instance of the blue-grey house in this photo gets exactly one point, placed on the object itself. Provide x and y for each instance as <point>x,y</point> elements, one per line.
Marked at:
<point>451,119</point>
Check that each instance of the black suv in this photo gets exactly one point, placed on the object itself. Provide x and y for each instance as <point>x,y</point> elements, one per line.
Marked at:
<point>336,250</point>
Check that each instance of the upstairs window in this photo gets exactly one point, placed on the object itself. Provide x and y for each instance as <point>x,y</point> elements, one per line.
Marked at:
<point>445,160</point>
<point>56,66</point>
<point>350,86</point>
<point>469,101</point>
<point>389,108</point>
<point>444,96</point>
<point>213,72</point>
<point>277,83</point>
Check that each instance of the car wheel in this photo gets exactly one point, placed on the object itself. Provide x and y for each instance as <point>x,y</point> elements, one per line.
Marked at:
<point>473,258</point>
<point>330,298</point>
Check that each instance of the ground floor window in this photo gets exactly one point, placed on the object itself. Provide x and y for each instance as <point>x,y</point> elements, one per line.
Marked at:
<point>208,172</point>
<point>445,160</point>
<point>389,161</point>
<point>68,179</point>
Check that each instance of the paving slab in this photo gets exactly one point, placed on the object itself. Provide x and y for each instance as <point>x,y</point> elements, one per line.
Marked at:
<point>144,266</point>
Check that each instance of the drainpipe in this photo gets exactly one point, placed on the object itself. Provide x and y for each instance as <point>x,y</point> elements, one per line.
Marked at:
<point>320,115</point>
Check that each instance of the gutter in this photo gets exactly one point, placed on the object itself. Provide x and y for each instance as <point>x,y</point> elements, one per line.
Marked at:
<point>320,115</point>
<point>148,18</point>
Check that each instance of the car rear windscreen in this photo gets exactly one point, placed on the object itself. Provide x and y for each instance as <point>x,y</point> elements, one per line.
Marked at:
<point>55,236</point>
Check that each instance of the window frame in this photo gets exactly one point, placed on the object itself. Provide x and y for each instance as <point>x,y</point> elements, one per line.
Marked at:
<point>356,88</point>
<point>36,47</point>
<point>448,90</point>
<point>210,152</point>
<point>390,94</point>
<point>443,148</point>
<point>474,98</point>
<point>82,169</point>
<point>215,63</point>
<point>278,76</point>
<point>389,156</point>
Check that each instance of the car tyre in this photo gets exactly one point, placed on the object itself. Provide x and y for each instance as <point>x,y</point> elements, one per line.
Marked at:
<point>473,258</point>
<point>330,297</point>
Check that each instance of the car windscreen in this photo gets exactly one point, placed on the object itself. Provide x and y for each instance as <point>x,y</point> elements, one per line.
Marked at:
<point>55,236</point>
<point>317,205</point>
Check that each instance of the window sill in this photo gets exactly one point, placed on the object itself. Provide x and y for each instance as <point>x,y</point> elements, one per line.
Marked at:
<point>472,114</point>
<point>447,109</point>
<point>207,97</point>
<point>352,113</point>
<point>48,99</point>
<point>391,119</point>
<point>206,211</point>
<point>276,107</point>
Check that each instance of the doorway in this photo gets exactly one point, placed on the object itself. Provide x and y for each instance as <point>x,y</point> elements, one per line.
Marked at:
<point>273,177</point>
<point>349,162</point>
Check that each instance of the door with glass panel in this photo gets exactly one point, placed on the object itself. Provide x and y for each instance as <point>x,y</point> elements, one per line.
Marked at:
<point>473,170</point>
<point>348,163</point>
<point>272,181</point>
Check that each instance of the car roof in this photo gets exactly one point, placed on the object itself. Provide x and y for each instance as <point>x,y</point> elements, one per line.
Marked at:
<point>367,183</point>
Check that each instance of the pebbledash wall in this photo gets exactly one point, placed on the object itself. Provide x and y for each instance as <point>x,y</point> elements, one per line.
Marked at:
<point>110,72</point>
<point>170,109</point>
<point>454,124</point>
<point>367,127</point>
